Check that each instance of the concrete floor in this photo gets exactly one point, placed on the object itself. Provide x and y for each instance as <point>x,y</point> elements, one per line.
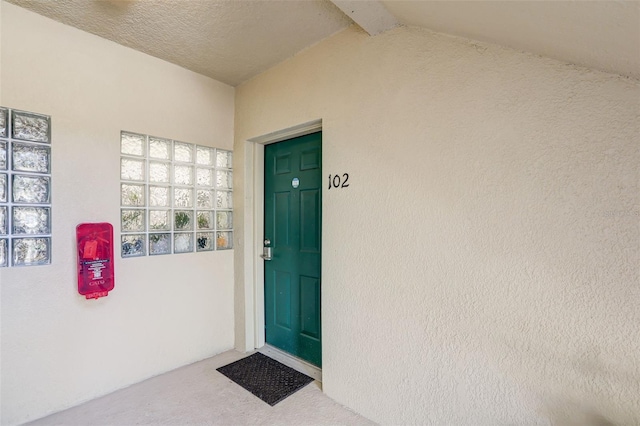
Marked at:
<point>198,395</point>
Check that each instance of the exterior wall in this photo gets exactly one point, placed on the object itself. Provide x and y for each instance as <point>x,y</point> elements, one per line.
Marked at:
<point>482,267</point>
<point>59,349</point>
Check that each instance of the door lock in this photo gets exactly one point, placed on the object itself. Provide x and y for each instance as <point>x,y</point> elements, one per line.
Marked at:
<point>266,250</point>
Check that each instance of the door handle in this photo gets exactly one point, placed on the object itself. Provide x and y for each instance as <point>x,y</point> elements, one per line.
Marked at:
<point>266,250</point>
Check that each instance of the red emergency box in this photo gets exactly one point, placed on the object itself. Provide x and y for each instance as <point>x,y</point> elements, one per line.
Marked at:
<point>95,259</point>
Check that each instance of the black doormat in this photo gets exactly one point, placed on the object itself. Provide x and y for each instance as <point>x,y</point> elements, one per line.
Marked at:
<point>266,378</point>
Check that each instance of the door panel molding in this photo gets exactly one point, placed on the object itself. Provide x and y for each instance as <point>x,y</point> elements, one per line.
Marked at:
<point>310,210</point>
<point>254,228</point>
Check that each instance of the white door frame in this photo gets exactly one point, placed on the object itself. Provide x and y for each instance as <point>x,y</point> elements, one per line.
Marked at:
<point>253,238</point>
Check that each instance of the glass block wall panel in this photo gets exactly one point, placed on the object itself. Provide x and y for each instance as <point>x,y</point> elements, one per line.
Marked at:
<point>224,200</point>
<point>132,195</point>
<point>131,169</point>
<point>30,127</point>
<point>183,152</point>
<point>224,240</point>
<point>31,220</point>
<point>224,220</point>
<point>204,220</point>
<point>183,243</point>
<point>159,172</point>
<point>205,156</point>
<point>183,220</point>
<point>31,158</point>
<point>183,197</point>
<point>159,148</point>
<point>31,189</point>
<point>174,196</point>
<point>159,244</point>
<point>132,144</point>
<point>204,198</point>
<point>204,241</point>
<point>25,188</point>
<point>160,220</point>
<point>183,175</point>
<point>133,220</point>
<point>204,177</point>
<point>4,187</point>
<point>3,155</point>
<point>159,196</point>
<point>224,159</point>
<point>4,120</point>
<point>133,245</point>
<point>4,249</point>
<point>224,179</point>
<point>30,251</point>
<point>4,220</point>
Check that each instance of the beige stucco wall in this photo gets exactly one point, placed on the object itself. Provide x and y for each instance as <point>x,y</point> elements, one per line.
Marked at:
<point>59,349</point>
<point>483,265</point>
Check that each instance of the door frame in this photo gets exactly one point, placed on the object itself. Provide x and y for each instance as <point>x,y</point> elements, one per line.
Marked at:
<point>254,227</point>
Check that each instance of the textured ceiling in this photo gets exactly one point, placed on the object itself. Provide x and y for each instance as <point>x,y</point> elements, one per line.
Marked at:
<point>230,41</point>
<point>603,35</point>
<point>234,40</point>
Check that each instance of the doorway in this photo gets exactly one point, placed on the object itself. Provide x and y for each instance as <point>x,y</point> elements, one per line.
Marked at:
<point>292,232</point>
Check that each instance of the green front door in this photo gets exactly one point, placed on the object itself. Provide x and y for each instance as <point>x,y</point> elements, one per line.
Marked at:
<point>292,226</point>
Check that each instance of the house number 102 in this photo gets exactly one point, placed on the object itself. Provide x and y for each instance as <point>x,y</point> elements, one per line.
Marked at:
<point>338,181</point>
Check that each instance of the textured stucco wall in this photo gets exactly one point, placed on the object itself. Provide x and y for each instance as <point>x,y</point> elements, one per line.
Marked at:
<point>59,349</point>
<point>482,267</point>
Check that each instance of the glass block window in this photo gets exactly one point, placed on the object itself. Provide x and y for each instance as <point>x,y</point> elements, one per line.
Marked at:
<point>25,188</point>
<point>175,197</point>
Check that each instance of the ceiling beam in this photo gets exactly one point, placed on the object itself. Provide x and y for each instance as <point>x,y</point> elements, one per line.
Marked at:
<point>370,15</point>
